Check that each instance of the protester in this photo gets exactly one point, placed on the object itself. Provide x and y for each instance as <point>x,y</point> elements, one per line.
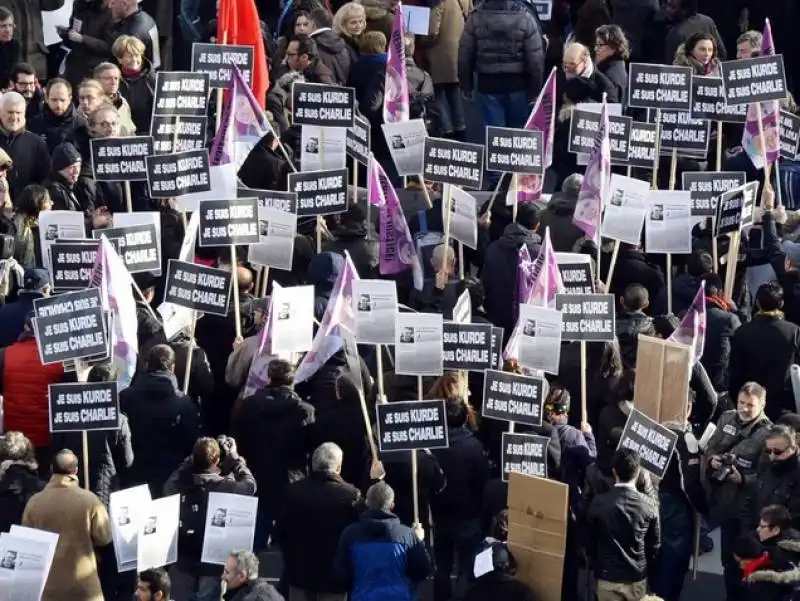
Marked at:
<point>333,52</point>
<point>349,23</point>
<point>685,20</point>
<point>138,82</point>
<point>19,479</point>
<point>131,20</point>
<point>699,52</point>
<point>557,215</point>
<point>28,18</point>
<point>240,579</point>
<point>86,39</point>
<point>27,151</point>
<point>612,50</point>
<point>748,44</point>
<point>499,582</point>
<point>22,79</point>
<point>721,325</point>
<point>10,48</point>
<point>110,76</point>
<point>153,585</point>
<point>586,79</point>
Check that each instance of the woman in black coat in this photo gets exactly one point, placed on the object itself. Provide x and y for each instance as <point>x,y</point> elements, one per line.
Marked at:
<point>612,50</point>
<point>19,480</point>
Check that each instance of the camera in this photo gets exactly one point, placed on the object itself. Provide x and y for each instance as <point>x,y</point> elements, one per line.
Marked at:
<point>726,469</point>
<point>226,445</point>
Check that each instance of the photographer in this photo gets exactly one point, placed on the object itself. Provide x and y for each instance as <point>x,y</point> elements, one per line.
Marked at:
<point>732,455</point>
<point>214,466</point>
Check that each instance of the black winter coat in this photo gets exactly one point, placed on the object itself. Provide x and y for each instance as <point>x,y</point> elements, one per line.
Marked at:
<point>634,268</point>
<point>334,54</point>
<point>31,160</point>
<point>466,470</point>
<point>68,197</point>
<point>19,481</point>
<point>318,508</point>
<point>775,483</point>
<point>430,482</point>
<point>494,586</point>
<point>139,25</point>
<point>55,129</point>
<point>721,326</point>
<point>558,217</point>
<point>95,23</point>
<point>139,91</point>
<point>361,241</point>
<point>616,72</point>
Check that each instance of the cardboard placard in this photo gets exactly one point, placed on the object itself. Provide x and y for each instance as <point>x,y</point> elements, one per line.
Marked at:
<point>229,222</point>
<point>660,87</point>
<point>120,159</point>
<point>191,133</point>
<point>198,287</point>
<point>218,60</point>
<point>181,93</point>
<point>176,174</point>
<point>323,105</point>
<point>320,192</point>
<point>706,187</point>
<point>451,162</point>
<point>466,346</point>
<point>411,425</point>
<point>790,135</point>
<point>139,246</point>
<point>512,397</point>
<point>358,140</point>
<point>756,79</point>
<point>642,145</point>
<point>735,209</point>
<point>708,101</point>
<point>653,442</point>
<point>89,406</point>
<point>586,317</point>
<point>514,150</point>
<point>663,369</point>
<point>524,454</point>
<point>70,326</point>
<point>72,262</point>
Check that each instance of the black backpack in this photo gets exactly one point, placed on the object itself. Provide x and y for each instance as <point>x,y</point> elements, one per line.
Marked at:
<point>423,106</point>
<point>192,522</point>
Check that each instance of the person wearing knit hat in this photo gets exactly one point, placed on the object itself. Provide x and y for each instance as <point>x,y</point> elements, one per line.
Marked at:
<point>66,168</point>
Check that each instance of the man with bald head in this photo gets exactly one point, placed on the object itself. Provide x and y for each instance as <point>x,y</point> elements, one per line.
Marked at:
<point>584,83</point>
<point>81,522</point>
<point>27,151</point>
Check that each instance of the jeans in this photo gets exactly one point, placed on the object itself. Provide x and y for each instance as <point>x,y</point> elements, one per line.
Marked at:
<point>188,587</point>
<point>454,538</point>
<point>677,533</point>
<point>504,110</point>
<point>451,106</point>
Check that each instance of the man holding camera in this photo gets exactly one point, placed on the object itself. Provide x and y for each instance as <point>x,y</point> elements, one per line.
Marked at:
<point>732,454</point>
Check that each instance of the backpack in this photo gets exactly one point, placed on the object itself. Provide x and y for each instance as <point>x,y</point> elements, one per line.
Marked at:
<point>424,106</point>
<point>192,521</point>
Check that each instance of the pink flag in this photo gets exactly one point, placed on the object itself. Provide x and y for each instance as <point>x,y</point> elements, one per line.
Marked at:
<point>770,119</point>
<point>242,125</point>
<point>692,329</point>
<point>339,311</point>
<point>395,96</point>
<point>546,276</point>
<point>257,376</point>
<point>375,193</point>
<point>543,119</point>
<point>591,198</point>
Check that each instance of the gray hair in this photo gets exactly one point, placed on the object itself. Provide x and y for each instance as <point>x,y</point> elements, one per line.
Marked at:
<point>380,497</point>
<point>572,185</point>
<point>784,432</point>
<point>15,446</point>
<point>327,458</point>
<point>11,98</point>
<point>246,563</point>
<point>752,37</point>
<point>584,51</point>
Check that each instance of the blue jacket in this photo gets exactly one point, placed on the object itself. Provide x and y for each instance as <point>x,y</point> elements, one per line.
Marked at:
<point>380,559</point>
<point>12,317</point>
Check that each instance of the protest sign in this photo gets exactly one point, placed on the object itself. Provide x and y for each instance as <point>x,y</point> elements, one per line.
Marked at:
<point>406,142</point>
<point>540,338</point>
<point>120,159</point>
<point>756,79</point>
<point>512,397</point>
<point>467,347</point>
<point>170,175</point>
<point>679,131</point>
<point>705,188</point>
<point>497,346</point>
<point>69,326</point>
<point>191,133</point>
<point>25,563</point>
<point>583,129</point>
<point>323,148</point>
<point>642,145</point>
<point>451,162</point>
<point>660,87</point>
<point>668,224</point>
<point>418,344</point>
<point>586,317</point>
<point>127,509</point>
<point>323,105</point>
<point>708,101</point>
<point>218,60</point>
<point>358,140</point>
<point>463,217</point>
<point>61,226</point>
<point>514,150</point>
<point>653,442</point>
<point>576,273</point>
<point>735,209</point>
<point>138,245</point>
<point>181,94</point>
<point>662,379</point>
<point>158,534</point>
<point>198,287</point>
<point>374,310</point>
<point>524,454</point>
<point>411,425</point>
<point>230,524</point>
<point>72,263</point>
<point>319,192</point>
<point>277,225</point>
<point>626,210</point>
<point>292,319</point>
<point>790,135</point>
<point>229,222</point>
<point>83,406</point>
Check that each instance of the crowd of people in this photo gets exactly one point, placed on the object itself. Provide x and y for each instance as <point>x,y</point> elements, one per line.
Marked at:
<point>343,522</point>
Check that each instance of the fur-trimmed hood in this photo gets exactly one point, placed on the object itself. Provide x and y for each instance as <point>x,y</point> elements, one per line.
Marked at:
<point>5,465</point>
<point>790,576</point>
<point>684,60</point>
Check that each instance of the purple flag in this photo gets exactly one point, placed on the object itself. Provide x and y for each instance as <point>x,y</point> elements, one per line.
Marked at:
<point>770,119</point>
<point>692,329</point>
<point>375,193</point>
<point>395,97</point>
<point>257,376</point>
<point>543,119</point>
<point>546,276</point>
<point>591,198</point>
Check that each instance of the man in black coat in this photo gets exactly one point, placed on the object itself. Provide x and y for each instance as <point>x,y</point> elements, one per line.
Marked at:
<point>353,234</point>
<point>130,19</point>
<point>31,160</point>
<point>580,70</point>
<point>633,267</point>
<point>559,213</point>
<point>318,508</point>
<point>59,121</point>
<point>333,51</point>
<point>28,16</point>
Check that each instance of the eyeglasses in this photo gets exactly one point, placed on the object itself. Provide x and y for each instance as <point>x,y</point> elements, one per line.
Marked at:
<point>775,452</point>
<point>763,526</point>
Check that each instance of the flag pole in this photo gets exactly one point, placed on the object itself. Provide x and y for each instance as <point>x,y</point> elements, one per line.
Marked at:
<point>218,117</point>
<point>763,140</point>
<point>656,157</point>
<point>189,353</point>
<point>673,174</point>
<point>235,285</point>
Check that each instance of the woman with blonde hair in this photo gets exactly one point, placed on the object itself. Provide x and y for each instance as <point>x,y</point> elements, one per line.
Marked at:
<point>452,384</point>
<point>349,22</point>
<point>33,200</point>
<point>138,82</point>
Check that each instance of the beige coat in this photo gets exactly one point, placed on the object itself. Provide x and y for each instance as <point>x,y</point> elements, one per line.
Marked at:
<point>81,522</point>
<point>441,46</point>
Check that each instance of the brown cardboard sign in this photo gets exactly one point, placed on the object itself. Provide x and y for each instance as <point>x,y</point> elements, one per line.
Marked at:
<point>663,369</point>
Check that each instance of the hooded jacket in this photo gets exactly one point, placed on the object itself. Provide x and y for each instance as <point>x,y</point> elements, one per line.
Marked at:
<point>30,156</point>
<point>558,217</point>
<point>361,241</point>
<point>55,129</point>
<point>19,481</point>
<point>685,60</point>
<point>323,271</point>
<point>779,578</point>
<point>334,54</point>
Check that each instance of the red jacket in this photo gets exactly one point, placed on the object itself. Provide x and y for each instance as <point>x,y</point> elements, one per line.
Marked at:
<point>25,397</point>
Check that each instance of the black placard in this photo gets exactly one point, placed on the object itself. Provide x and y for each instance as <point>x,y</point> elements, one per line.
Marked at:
<point>583,129</point>
<point>217,60</point>
<point>660,87</point>
<point>323,105</point>
<point>586,317</point>
<point>198,287</point>
<point>285,202</point>
<point>577,278</point>
<point>512,397</point>
<point>497,346</point>
<point>451,162</point>
<point>71,263</point>
<point>191,134</point>
<point>357,140</point>
<point>467,346</point>
<point>138,245</point>
<point>75,407</point>
<point>181,93</point>
<point>642,145</point>
<point>524,454</point>
<point>120,159</point>
<point>790,135</point>
<point>229,222</point>
<point>514,150</point>
<point>653,442</point>
<point>320,192</point>
<point>735,209</point>
<point>708,101</point>
<point>757,79</point>
<point>170,175</point>
<point>70,326</point>
<point>679,131</point>
<point>706,186</point>
<point>411,425</point>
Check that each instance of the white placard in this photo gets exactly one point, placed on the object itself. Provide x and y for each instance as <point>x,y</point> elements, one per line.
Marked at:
<point>42,536</point>
<point>626,210</point>
<point>141,218</point>
<point>417,19</point>
<point>374,311</point>
<point>418,343</point>
<point>668,225</point>
<point>406,142</point>
<point>278,230</point>
<point>223,186</point>
<point>292,319</point>
<point>25,563</point>
<point>126,510</point>
<point>59,225</point>
<point>158,533</point>
<point>323,148</point>
<point>539,338</point>
<point>230,524</point>
<point>55,18</point>
<point>463,216</point>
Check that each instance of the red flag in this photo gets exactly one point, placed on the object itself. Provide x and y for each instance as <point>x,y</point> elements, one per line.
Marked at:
<point>238,24</point>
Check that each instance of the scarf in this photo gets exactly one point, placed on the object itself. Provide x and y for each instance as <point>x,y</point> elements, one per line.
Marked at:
<point>130,72</point>
<point>754,565</point>
<point>777,314</point>
<point>720,302</point>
